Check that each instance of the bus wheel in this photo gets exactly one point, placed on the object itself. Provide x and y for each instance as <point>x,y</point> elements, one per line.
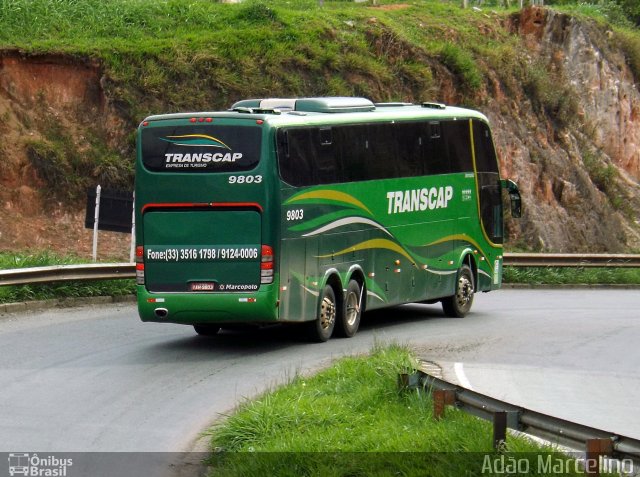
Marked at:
<point>458,305</point>
<point>321,328</point>
<point>349,321</point>
<point>206,330</point>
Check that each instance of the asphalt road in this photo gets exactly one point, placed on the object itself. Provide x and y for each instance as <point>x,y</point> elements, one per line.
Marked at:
<point>97,379</point>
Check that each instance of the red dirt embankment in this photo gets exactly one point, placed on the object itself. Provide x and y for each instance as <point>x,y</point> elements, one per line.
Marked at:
<point>38,93</point>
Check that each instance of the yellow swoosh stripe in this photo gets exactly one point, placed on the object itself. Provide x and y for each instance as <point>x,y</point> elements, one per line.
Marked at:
<point>201,136</point>
<point>330,195</point>
<point>462,237</point>
<point>374,243</point>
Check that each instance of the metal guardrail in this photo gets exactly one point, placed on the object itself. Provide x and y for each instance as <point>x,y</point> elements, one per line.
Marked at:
<point>56,273</point>
<point>571,260</point>
<point>596,443</point>
<point>111,271</point>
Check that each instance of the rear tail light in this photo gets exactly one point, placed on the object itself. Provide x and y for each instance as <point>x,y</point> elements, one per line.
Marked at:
<point>140,265</point>
<point>266,265</point>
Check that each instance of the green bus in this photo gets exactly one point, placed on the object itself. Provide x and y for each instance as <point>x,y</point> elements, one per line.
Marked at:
<point>312,210</point>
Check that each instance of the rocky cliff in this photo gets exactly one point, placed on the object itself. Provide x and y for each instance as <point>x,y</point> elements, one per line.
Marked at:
<point>567,130</point>
<point>579,168</point>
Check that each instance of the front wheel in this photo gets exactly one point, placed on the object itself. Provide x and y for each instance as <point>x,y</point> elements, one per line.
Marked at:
<point>349,321</point>
<point>458,305</point>
<point>321,329</point>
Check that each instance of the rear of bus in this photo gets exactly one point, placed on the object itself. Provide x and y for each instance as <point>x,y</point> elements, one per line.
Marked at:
<point>204,244</point>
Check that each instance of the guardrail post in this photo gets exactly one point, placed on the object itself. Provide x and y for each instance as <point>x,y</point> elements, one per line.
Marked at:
<point>596,448</point>
<point>408,381</point>
<point>499,430</point>
<point>442,397</point>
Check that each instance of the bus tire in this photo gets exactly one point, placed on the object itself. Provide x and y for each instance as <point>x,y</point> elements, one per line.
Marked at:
<point>459,304</point>
<point>349,320</point>
<point>206,330</point>
<point>321,329</point>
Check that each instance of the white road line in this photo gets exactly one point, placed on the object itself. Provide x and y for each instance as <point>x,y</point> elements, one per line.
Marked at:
<point>461,376</point>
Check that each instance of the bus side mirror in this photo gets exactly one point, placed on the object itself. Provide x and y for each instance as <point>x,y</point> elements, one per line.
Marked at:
<point>514,196</point>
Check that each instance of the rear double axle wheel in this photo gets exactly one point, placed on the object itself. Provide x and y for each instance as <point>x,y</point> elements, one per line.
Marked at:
<point>349,321</point>
<point>322,327</point>
<point>343,318</point>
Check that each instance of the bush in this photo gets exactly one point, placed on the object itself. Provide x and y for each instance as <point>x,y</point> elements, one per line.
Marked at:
<point>257,12</point>
<point>551,94</point>
<point>462,64</point>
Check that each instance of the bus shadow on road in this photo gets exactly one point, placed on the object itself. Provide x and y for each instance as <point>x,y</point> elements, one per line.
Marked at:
<point>398,315</point>
<point>243,339</point>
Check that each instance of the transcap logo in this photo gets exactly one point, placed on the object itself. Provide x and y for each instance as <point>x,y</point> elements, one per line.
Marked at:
<point>199,140</point>
<point>414,200</point>
<point>203,158</point>
<point>38,466</point>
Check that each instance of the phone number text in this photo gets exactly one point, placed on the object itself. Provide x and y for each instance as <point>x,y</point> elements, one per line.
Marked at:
<point>184,254</point>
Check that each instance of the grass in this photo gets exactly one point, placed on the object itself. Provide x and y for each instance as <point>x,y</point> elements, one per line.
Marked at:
<point>68,289</point>
<point>571,276</point>
<point>352,420</point>
<point>178,55</point>
<point>173,55</point>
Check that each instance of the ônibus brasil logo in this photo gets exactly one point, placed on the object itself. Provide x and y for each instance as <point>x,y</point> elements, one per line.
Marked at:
<point>199,159</point>
<point>33,465</point>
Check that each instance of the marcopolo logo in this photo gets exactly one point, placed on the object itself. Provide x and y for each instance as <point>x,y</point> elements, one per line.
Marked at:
<point>33,465</point>
<point>204,158</point>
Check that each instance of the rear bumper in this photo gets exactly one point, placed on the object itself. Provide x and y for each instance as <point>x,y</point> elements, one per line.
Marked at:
<point>215,308</point>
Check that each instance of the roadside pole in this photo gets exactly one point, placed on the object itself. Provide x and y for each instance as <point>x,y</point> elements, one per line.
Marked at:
<point>95,224</point>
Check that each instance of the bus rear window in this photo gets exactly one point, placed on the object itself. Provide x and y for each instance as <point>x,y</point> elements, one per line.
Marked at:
<point>201,148</point>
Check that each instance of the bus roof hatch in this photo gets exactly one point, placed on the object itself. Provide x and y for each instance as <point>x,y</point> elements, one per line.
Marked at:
<point>335,104</point>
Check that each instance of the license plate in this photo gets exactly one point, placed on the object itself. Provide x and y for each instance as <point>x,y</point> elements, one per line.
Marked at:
<point>202,286</point>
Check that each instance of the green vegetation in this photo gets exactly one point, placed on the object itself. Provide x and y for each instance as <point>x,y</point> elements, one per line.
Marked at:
<point>41,259</point>
<point>551,93</point>
<point>68,168</point>
<point>177,55</point>
<point>571,276</point>
<point>352,420</point>
<point>461,63</point>
<point>20,293</point>
<point>617,12</point>
<point>605,177</point>
<point>70,289</point>
<point>629,41</point>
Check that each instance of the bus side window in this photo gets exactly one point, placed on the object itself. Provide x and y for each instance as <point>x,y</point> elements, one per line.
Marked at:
<point>326,138</point>
<point>434,130</point>
<point>457,139</point>
<point>324,158</point>
<point>351,148</point>
<point>381,151</point>
<point>410,141</point>
<point>486,158</point>
<point>435,154</point>
<point>295,160</point>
